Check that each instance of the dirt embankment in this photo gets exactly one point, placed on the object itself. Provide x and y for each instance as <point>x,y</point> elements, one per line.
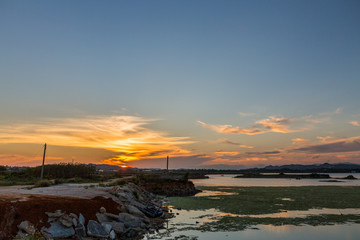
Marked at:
<point>15,210</point>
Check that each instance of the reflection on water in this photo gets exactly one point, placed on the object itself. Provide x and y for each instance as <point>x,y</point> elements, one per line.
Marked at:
<point>286,232</point>
<point>181,227</point>
<point>229,180</point>
<point>207,193</point>
<point>297,213</point>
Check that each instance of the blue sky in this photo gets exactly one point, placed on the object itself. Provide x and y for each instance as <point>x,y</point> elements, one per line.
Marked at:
<point>182,70</point>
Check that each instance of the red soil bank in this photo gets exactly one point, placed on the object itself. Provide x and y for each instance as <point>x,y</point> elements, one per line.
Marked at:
<point>14,211</point>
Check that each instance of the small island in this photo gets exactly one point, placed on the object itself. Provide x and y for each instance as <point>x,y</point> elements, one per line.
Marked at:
<point>283,175</point>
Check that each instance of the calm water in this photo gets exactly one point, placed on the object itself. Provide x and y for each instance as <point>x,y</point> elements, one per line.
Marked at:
<point>263,232</point>
<point>229,180</point>
<point>286,232</point>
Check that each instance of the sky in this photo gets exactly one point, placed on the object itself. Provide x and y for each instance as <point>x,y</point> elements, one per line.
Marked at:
<point>211,84</point>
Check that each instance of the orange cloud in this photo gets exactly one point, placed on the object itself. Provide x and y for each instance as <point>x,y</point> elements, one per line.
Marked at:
<point>299,141</point>
<point>125,135</point>
<point>325,139</point>
<point>355,123</point>
<point>226,153</point>
<point>229,129</point>
<point>21,160</point>
<point>277,124</point>
<point>271,124</point>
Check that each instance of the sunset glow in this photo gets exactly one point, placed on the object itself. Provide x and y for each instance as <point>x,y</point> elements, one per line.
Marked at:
<point>209,84</point>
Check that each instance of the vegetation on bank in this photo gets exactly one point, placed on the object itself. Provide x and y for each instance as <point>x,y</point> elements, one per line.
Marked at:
<point>82,173</point>
<point>247,201</point>
<point>57,173</point>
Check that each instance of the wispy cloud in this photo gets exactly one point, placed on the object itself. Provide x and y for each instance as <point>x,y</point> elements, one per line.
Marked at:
<point>271,124</point>
<point>22,160</point>
<point>355,123</point>
<point>299,141</point>
<point>339,110</point>
<point>222,154</point>
<point>325,139</point>
<point>244,114</point>
<point>226,141</point>
<point>128,136</point>
<point>229,129</point>
<point>311,119</point>
<point>345,145</point>
<point>264,153</point>
<point>277,124</point>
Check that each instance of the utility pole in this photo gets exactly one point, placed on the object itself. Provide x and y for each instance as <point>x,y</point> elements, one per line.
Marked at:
<point>167,163</point>
<point>42,168</point>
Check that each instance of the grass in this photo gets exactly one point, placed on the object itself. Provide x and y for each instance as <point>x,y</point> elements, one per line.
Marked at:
<point>267,200</point>
<point>262,200</point>
<point>228,223</point>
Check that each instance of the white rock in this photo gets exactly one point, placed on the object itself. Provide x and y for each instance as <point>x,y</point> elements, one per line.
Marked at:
<point>112,235</point>
<point>82,219</point>
<point>102,210</point>
<point>27,227</point>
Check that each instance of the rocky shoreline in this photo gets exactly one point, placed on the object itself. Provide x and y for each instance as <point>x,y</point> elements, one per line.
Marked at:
<point>121,216</point>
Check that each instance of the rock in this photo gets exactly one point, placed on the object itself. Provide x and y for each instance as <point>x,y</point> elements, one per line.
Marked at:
<point>51,219</point>
<point>146,220</point>
<point>27,227</point>
<point>95,229</point>
<point>131,233</point>
<point>143,225</point>
<point>73,215</point>
<point>112,235</point>
<point>21,236</point>
<point>66,220</point>
<point>126,217</point>
<point>107,227</point>
<point>134,211</point>
<point>56,214</point>
<point>80,231</point>
<point>57,230</point>
<point>74,222</point>
<point>122,208</point>
<point>112,216</point>
<point>102,218</point>
<point>118,227</point>
<point>132,224</point>
<point>102,210</point>
<point>81,219</point>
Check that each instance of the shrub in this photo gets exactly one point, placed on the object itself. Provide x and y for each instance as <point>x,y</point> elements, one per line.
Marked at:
<point>43,183</point>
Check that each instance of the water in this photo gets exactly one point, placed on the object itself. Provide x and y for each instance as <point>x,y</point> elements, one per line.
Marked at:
<point>229,180</point>
<point>267,232</point>
<point>178,227</point>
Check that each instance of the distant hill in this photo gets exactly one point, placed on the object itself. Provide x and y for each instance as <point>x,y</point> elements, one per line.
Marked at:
<point>325,167</point>
<point>290,168</point>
